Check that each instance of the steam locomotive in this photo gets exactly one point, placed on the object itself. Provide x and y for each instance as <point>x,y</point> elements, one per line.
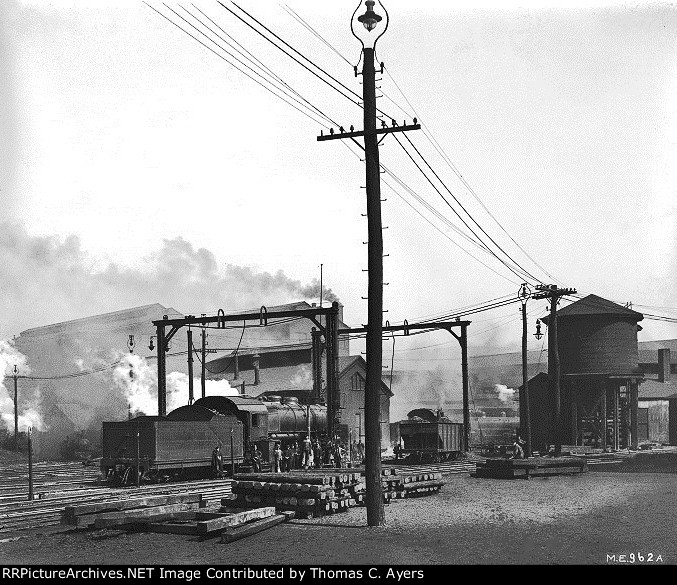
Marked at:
<point>182,443</point>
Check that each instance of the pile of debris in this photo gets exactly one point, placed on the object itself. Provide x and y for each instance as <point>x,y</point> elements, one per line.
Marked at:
<point>176,514</point>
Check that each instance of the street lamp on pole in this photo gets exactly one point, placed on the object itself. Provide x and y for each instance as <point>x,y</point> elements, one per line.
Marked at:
<point>375,27</point>
<point>372,28</point>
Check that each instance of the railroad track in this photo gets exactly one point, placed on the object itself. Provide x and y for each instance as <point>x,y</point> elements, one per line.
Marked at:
<point>46,511</point>
<point>76,487</point>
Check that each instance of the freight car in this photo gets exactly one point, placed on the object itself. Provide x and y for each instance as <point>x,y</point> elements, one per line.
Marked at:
<point>181,444</point>
<point>429,437</point>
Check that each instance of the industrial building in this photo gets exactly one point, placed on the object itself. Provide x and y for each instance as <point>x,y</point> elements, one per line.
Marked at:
<point>657,402</point>
<point>276,359</point>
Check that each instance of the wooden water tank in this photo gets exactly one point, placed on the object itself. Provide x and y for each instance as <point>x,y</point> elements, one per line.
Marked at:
<point>597,336</point>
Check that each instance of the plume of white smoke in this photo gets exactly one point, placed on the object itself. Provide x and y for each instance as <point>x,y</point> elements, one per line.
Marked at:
<point>138,383</point>
<point>177,389</point>
<point>504,393</point>
<point>178,274</point>
<point>29,416</point>
<point>303,378</point>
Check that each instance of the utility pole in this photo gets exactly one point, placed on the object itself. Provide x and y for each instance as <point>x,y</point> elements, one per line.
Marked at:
<point>191,396</point>
<point>553,292</point>
<point>16,409</point>
<point>525,411</point>
<point>374,344</point>
<point>204,362</point>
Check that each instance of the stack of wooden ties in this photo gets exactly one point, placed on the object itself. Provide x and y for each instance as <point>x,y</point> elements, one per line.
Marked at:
<point>176,514</point>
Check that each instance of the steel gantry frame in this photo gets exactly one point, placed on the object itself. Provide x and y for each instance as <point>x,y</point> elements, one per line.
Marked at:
<point>462,339</point>
<point>166,329</point>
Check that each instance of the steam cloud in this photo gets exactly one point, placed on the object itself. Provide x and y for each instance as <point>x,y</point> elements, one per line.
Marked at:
<point>177,275</point>
<point>29,415</point>
<point>138,383</point>
<point>504,393</point>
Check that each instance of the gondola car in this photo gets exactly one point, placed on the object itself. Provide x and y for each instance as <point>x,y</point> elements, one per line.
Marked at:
<point>427,436</point>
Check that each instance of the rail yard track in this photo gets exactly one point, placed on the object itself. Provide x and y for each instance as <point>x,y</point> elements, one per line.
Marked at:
<point>57,485</point>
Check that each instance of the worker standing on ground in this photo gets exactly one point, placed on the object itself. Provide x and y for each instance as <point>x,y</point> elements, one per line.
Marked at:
<point>317,453</point>
<point>518,446</point>
<point>307,449</point>
<point>217,461</point>
<point>256,459</point>
<point>286,462</point>
<point>277,453</point>
<point>338,455</point>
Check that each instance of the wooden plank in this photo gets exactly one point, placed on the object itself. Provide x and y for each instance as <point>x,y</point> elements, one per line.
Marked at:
<point>173,528</point>
<point>155,514</point>
<point>72,514</point>
<point>284,478</point>
<point>555,471</point>
<point>229,520</point>
<point>421,484</point>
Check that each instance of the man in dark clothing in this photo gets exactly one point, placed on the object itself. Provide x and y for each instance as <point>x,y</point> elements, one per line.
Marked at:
<point>256,459</point>
<point>317,453</point>
<point>217,461</point>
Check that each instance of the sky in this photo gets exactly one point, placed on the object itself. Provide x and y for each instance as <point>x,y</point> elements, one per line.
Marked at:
<point>136,166</point>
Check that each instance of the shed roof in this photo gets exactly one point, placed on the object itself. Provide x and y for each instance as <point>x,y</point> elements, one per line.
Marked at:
<point>594,305</point>
<point>655,390</point>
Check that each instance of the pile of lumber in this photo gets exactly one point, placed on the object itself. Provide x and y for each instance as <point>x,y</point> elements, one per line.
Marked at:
<point>125,511</point>
<point>421,484</point>
<point>307,493</point>
<point>391,484</point>
<point>175,514</point>
<point>532,467</point>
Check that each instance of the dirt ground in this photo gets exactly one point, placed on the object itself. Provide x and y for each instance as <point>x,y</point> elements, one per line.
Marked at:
<point>562,520</point>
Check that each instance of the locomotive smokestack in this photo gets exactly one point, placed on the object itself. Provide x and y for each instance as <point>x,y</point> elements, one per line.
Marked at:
<point>257,369</point>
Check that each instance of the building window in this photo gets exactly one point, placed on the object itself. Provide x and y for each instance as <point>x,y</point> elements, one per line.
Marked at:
<point>356,382</point>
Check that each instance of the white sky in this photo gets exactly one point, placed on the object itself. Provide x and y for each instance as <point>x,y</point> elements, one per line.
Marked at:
<point>562,116</point>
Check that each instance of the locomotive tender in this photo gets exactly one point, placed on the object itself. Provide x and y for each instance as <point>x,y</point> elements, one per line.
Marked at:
<point>182,443</point>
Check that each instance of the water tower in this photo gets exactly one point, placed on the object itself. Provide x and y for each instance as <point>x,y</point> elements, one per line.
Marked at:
<point>600,372</point>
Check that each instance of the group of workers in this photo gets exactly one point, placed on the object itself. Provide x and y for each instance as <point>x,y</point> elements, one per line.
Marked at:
<point>308,454</point>
<point>293,455</point>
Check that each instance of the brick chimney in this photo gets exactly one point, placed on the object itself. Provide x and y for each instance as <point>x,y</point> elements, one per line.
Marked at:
<point>257,369</point>
<point>663,365</point>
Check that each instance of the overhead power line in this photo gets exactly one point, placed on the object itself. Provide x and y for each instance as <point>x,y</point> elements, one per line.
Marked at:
<point>517,270</point>
<point>220,56</point>
<point>428,135</point>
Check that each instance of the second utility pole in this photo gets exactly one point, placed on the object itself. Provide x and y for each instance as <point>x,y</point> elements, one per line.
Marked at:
<point>553,292</point>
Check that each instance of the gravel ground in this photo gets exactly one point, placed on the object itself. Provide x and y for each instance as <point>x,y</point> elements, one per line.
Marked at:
<point>569,519</point>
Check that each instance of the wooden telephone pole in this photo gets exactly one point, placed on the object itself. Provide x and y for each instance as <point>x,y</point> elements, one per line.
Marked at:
<point>374,345</point>
<point>553,292</point>
<point>525,410</point>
